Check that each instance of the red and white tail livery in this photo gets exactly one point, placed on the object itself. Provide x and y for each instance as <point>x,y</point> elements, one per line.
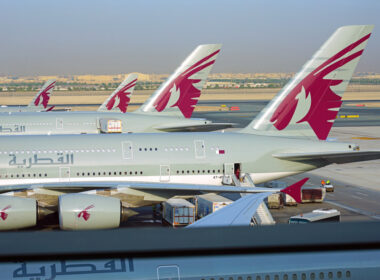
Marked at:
<point>181,91</point>
<point>310,102</point>
<point>41,100</point>
<point>119,100</point>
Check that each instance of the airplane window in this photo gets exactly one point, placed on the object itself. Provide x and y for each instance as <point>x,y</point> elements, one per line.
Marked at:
<point>150,149</point>
<point>39,175</point>
<point>321,275</point>
<point>258,277</point>
<point>285,277</point>
<point>140,149</point>
<point>145,149</point>
<point>181,149</point>
<point>213,171</point>
<point>50,152</point>
<point>93,151</point>
<point>93,173</point>
<point>221,278</point>
<point>141,172</point>
<point>249,278</point>
<point>276,277</point>
<point>177,171</point>
<point>114,173</point>
<point>29,175</point>
<point>188,171</point>
<point>99,173</point>
<point>198,171</point>
<point>135,172</point>
<point>113,150</point>
<point>77,173</point>
<point>120,173</point>
<point>240,278</point>
<point>267,277</point>
<point>34,175</point>
<point>104,173</point>
<point>303,276</point>
<point>155,149</point>
<point>130,173</point>
<point>183,171</point>
<point>5,153</point>
<point>16,152</point>
<point>330,275</point>
<point>165,149</point>
<point>193,171</point>
<point>339,274</point>
<point>22,152</point>
<point>12,176</point>
<point>17,175</point>
<point>45,152</point>
<point>294,277</point>
<point>186,149</point>
<point>348,274</point>
<point>208,171</point>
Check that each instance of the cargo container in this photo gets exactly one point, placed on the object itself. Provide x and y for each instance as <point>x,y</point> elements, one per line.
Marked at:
<point>209,203</point>
<point>313,194</point>
<point>110,126</point>
<point>289,201</point>
<point>275,201</point>
<point>316,216</point>
<point>178,212</point>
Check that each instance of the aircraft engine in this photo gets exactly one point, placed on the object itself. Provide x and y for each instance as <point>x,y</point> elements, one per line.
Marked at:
<point>17,212</point>
<point>89,211</point>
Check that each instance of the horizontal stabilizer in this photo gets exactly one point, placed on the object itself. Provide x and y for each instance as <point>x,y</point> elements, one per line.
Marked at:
<point>331,157</point>
<point>238,213</point>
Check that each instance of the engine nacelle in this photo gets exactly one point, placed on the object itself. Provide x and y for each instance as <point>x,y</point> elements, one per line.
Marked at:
<point>17,212</point>
<point>88,211</point>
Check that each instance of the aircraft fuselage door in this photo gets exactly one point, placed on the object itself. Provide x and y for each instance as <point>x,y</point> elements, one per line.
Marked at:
<point>127,150</point>
<point>228,169</point>
<point>168,272</point>
<point>59,123</point>
<point>64,174</point>
<point>164,173</point>
<point>200,149</point>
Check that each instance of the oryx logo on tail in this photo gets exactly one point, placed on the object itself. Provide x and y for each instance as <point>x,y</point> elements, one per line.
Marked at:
<point>121,98</point>
<point>44,96</point>
<point>182,92</point>
<point>312,100</point>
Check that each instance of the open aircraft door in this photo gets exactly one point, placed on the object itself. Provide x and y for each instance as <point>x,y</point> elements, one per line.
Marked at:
<point>228,172</point>
<point>168,272</point>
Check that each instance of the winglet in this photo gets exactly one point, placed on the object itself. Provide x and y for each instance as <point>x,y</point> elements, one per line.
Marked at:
<point>295,190</point>
<point>119,100</point>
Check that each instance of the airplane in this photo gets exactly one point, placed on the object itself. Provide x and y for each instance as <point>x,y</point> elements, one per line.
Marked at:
<point>168,110</point>
<point>138,169</point>
<point>39,102</point>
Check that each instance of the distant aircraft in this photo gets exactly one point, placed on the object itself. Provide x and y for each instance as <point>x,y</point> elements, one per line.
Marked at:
<point>240,212</point>
<point>285,139</point>
<point>118,101</point>
<point>168,110</point>
<point>39,102</point>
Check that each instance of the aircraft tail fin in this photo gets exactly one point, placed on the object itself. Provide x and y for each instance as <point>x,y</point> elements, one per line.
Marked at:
<point>41,100</point>
<point>308,105</point>
<point>118,101</point>
<point>179,94</point>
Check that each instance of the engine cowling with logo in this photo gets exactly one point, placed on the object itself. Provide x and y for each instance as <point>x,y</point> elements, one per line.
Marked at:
<point>89,211</point>
<point>17,212</point>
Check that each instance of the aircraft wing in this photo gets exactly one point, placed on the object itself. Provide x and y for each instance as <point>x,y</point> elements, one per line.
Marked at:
<point>331,157</point>
<point>142,186</point>
<point>238,213</point>
<point>201,127</point>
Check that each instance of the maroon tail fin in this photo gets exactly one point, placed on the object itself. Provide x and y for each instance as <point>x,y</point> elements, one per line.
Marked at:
<point>295,190</point>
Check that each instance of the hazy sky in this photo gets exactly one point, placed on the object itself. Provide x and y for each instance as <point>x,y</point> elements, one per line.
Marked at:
<point>153,36</point>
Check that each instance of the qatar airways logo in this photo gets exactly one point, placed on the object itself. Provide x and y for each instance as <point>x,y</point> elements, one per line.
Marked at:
<point>181,92</point>
<point>121,98</point>
<point>313,100</point>
<point>3,214</point>
<point>84,213</point>
<point>44,96</point>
